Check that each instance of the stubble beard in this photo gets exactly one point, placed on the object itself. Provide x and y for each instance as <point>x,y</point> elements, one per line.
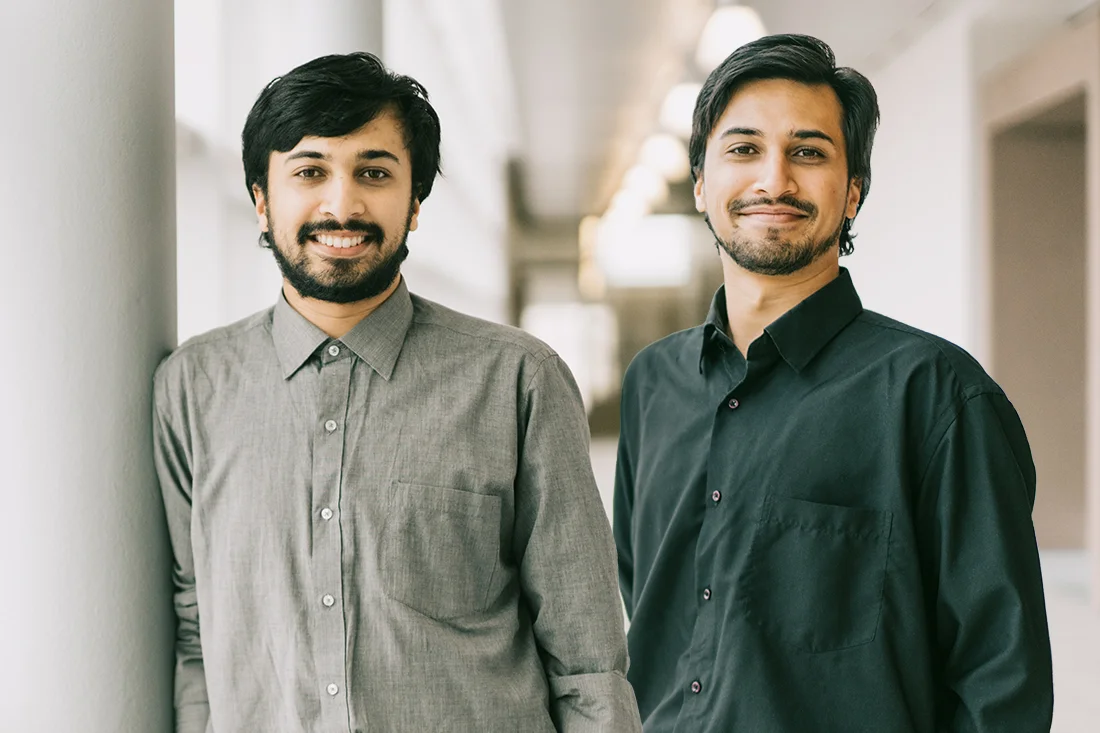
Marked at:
<point>773,255</point>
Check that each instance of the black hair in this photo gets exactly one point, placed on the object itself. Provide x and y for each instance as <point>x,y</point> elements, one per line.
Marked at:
<point>801,59</point>
<point>333,96</point>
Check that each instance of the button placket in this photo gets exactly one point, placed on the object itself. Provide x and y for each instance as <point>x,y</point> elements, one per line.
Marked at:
<point>330,648</point>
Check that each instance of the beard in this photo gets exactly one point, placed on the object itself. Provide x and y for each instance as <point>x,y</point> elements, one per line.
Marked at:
<point>345,281</point>
<point>772,254</point>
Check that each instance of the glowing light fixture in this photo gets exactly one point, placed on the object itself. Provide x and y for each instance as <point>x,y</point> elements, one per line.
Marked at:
<point>648,184</point>
<point>649,251</point>
<point>729,28</point>
<point>678,107</point>
<point>627,204</point>
<point>666,155</point>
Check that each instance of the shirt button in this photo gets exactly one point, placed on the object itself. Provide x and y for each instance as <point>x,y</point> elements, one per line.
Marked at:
<point>696,687</point>
<point>706,594</point>
<point>716,496</point>
<point>734,404</point>
<point>326,514</point>
<point>332,689</point>
<point>328,600</point>
<point>334,350</point>
<point>330,425</point>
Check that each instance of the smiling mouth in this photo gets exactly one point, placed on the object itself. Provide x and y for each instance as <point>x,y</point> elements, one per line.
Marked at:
<point>334,242</point>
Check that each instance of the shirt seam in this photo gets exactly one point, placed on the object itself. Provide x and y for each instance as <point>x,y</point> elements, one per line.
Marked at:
<point>929,339</point>
<point>958,409</point>
<point>542,352</point>
<point>217,336</point>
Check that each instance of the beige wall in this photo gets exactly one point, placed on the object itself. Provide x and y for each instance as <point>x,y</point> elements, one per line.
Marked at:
<point>1063,66</point>
<point>1038,290</point>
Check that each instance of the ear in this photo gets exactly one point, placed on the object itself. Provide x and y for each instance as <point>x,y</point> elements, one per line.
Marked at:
<point>700,194</point>
<point>855,195</point>
<point>413,220</point>
<point>261,208</point>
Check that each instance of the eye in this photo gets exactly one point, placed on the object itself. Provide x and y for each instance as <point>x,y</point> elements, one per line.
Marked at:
<point>375,174</point>
<point>808,153</point>
<point>742,150</point>
<point>309,173</point>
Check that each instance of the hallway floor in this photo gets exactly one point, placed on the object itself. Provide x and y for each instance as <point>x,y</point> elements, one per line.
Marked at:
<point>1074,626</point>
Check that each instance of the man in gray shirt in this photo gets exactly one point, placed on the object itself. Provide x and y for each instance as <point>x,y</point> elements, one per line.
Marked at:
<point>382,511</point>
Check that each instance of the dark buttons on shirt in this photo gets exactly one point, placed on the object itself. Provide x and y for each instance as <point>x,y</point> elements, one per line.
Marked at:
<point>706,594</point>
<point>696,687</point>
<point>716,496</point>
<point>734,404</point>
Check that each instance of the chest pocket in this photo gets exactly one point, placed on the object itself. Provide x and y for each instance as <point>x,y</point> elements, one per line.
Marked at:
<point>816,572</point>
<point>440,549</point>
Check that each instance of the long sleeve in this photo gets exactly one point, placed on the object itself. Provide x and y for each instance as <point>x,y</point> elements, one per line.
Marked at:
<point>567,568</point>
<point>172,461</point>
<point>993,645</point>
<point>623,503</point>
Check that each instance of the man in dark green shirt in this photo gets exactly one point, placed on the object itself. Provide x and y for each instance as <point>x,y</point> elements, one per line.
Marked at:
<point>823,516</point>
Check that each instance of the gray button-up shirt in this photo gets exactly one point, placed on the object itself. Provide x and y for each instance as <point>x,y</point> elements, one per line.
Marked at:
<point>394,531</point>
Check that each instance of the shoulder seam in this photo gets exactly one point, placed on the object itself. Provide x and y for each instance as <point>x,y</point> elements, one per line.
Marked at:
<point>544,351</point>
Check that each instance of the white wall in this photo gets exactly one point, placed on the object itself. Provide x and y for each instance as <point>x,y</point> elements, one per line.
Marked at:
<point>913,258</point>
<point>459,255</point>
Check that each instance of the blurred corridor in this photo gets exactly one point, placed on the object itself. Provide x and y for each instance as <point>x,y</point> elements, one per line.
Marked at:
<point>565,208</point>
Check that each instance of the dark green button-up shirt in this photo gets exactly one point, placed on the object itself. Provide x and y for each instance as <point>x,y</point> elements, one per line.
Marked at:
<point>833,534</point>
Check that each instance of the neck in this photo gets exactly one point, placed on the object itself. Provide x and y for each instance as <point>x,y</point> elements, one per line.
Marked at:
<point>753,301</point>
<point>336,319</point>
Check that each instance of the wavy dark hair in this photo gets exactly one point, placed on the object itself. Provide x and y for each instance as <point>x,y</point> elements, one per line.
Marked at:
<point>333,96</point>
<point>803,59</point>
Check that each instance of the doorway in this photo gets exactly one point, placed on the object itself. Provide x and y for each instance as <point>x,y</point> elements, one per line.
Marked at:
<point>1038,293</point>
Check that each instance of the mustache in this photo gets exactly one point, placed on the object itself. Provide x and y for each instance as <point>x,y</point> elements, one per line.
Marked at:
<point>372,231</point>
<point>804,206</point>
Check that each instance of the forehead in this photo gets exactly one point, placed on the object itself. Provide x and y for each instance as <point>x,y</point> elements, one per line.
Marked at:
<point>384,132</point>
<point>780,106</point>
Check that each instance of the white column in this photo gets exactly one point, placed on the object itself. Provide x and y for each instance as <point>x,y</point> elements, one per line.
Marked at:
<point>86,311</point>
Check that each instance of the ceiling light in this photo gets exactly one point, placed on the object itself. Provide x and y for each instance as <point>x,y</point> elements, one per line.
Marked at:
<point>678,108</point>
<point>648,184</point>
<point>626,204</point>
<point>650,251</point>
<point>666,155</point>
<point>729,28</point>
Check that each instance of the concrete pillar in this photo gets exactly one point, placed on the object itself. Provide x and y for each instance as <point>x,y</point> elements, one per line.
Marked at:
<point>86,312</point>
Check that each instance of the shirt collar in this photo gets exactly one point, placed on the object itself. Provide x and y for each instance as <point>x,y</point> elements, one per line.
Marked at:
<point>802,332</point>
<point>377,339</point>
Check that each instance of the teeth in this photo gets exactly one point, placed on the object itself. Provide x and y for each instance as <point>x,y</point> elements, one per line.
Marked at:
<point>339,242</point>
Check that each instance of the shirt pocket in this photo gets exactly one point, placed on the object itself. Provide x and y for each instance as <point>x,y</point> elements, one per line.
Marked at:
<point>816,573</point>
<point>439,550</point>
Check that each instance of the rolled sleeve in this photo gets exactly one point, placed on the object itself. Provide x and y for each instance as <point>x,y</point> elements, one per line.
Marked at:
<point>567,567</point>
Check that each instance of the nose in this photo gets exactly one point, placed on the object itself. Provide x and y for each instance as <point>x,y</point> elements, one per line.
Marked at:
<point>343,199</point>
<point>774,178</point>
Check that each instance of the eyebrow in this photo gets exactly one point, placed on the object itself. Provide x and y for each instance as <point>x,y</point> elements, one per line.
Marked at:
<point>796,134</point>
<point>374,154</point>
